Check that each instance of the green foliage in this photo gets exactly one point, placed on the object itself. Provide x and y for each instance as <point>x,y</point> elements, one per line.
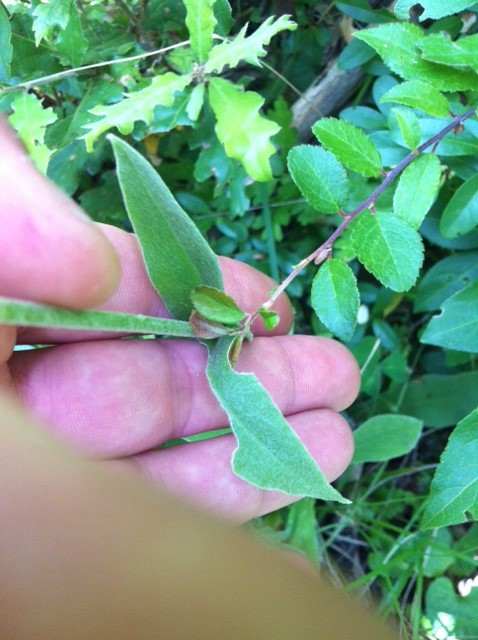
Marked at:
<point>6,49</point>
<point>419,95</point>
<point>460,215</point>
<point>200,21</point>
<point>384,437</point>
<point>417,189</point>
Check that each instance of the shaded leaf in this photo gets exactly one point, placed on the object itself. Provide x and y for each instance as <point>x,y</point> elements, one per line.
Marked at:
<point>335,298</point>
<point>28,314</point>
<point>451,615</point>
<point>30,120</point>
<point>417,189</point>
<point>71,43</point>
<point>176,256</point>
<point>223,15</point>
<point>247,48</point>
<point>320,177</point>
<point>138,105</point>
<point>6,49</point>
<point>216,306</point>
<point>48,16</point>
<point>418,95</point>
<point>269,454</point>
<point>460,215</point>
<point>200,21</point>
<point>454,491</point>
<point>250,142</point>
<point>396,44</point>
<point>432,8</point>
<point>350,145</point>
<point>207,329</point>
<point>384,437</point>
<point>457,325</point>
<point>389,248</point>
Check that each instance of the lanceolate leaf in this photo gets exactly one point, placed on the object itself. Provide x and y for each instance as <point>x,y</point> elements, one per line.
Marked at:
<point>48,16</point>
<point>177,257</point>
<point>30,120</point>
<point>335,297</point>
<point>461,213</point>
<point>6,49</point>
<point>269,454</point>
<point>350,144</point>
<point>396,44</point>
<point>243,131</point>
<point>419,95</point>
<point>386,436</point>
<point>249,48</point>
<point>432,8</point>
<point>320,177</point>
<point>138,105</point>
<point>454,491</point>
<point>457,325</point>
<point>389,248</point>
<point>417,189</point>
<point>18,312</point>
<point>200,22</point>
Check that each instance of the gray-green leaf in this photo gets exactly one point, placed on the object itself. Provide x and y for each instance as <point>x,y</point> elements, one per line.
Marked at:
<point>335,298</point>
<point>385,437</point>
<point>269,454</point>
<point>177,257</point>
<point>6,49</point>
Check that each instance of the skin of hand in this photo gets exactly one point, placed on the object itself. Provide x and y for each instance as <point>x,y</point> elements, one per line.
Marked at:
<point>88,549</point>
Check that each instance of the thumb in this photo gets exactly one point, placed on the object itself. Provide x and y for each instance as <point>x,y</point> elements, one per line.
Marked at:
<point>50,251</point>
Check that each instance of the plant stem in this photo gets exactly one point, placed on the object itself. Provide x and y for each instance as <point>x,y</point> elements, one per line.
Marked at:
<point>322,252</point>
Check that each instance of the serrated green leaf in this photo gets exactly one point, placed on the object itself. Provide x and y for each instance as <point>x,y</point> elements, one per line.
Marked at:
<point>200,21</point>
<point>6,49</point>
<point>418,95</point>
<point>434,9</point>
<point>176,256</point>
<point>320,177</point>
<point>384,437</point>
<point>457,325</point>
<point>460,215</point>
<point>30,120</point>
<point>409,126</point>
<point>270,319</point>
<point>269,454</point>
<point>350,145</point>
<point>48,16</point>
<point>389,248</point>
<point>438,47</point>
<point>454,491</point>
<point>216,306</point>
<point>28,314</point>
<point>396,44</point>
<point>247,48</point>
<point>250,142</point>
<point>71,43</point>
<point>335,298</point>
<point>417,189</point>
<point>138,105</point>
<point>445,278</point>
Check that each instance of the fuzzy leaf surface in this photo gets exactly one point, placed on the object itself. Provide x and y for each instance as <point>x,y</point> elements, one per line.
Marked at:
<point>437,47</point>
<point>457,325</point>
<point>216,306</point>
<point>396,44</point>
<point>269,454</point>
<point>418,95</point>
<point>200,21</point>
<point>176,256</point>
<point>460,215</point>
<point>417,189</point>
<point>320,177</point>
<point>49,16</point>
<point>335,298</point>
<point>30,120</point>
<point>138,105</point>
<point>350,145</point>
<point>6,49</point>
<point>454,491</point>
<point>386,436</point>
<point>389,248</point>
<point>28,314</point>
<point>244,132</point>
<point>434,9</point>
<point>247,48</point>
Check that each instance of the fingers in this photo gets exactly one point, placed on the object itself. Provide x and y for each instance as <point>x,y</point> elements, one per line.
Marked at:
<point>50,251</point>
<point>201,472</point>
<point>123,397</point>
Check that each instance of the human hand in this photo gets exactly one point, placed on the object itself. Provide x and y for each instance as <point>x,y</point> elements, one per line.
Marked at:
<point>119,399</point>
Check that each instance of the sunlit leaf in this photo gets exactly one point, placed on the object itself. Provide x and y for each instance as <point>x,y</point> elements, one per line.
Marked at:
<point>48,16</point>
<point>432,8</point>
<point>417,189</point>
<point>216,306</point>
<point>438,47</point>
<point>200,21</point>
<point>409,126</point>
<point>460,215</point>
<point>418,95</point>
